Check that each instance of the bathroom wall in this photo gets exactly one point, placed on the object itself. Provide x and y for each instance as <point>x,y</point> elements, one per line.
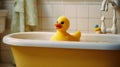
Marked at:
<point>83,14</point>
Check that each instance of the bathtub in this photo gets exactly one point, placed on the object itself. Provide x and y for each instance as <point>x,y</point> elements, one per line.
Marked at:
<point>34,49</point>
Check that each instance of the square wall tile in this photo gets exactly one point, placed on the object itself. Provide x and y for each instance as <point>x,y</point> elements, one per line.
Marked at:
<point>94,11</point>
<point>39,24</point>
<point>47,24</point>
<point>73,24</point>
<point>82,24</point>
<point>40,10</point>
<point>82,11</point>
<point>71,10</point>
<point>47,10</point>
<point>58,10</point>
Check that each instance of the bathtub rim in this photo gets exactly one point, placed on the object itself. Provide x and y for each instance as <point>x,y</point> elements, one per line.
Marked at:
<point>52,44</point>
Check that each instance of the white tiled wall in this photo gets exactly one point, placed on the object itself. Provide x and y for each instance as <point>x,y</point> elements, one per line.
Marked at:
<point>82,11</point>
<point>79,14</point>
<point>82,15</point>
<point>94,11</point>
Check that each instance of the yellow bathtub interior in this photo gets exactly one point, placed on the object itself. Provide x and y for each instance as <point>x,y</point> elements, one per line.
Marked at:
<point>60,57</point>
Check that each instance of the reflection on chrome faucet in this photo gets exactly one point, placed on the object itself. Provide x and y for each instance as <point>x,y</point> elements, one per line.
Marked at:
<point>104,8</point>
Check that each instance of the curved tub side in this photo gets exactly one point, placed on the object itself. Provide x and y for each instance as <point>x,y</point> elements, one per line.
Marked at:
<point>60,57</point>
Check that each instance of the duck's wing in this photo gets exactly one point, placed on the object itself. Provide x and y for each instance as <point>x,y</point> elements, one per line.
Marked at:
<point>77,34</point>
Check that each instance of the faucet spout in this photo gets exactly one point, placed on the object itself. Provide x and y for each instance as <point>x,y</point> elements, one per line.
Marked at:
<point>115,3</point>
<point>104,5</point>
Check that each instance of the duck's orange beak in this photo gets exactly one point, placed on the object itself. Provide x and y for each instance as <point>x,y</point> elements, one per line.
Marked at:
<point>58,26</point>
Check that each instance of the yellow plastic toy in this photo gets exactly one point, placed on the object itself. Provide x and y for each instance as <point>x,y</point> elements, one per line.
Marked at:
<point>97,29</point>
<point>61,34</point>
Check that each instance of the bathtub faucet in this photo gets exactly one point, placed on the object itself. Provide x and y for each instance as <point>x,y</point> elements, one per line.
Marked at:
<point>104,5</point>
<point>104,8</point>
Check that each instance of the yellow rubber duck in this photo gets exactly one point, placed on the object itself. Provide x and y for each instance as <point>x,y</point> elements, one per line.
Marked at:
<point>97,29</point>
<point>61,34</point>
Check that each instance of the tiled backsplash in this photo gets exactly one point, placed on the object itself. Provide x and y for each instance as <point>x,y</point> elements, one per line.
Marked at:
<point>82,15</point>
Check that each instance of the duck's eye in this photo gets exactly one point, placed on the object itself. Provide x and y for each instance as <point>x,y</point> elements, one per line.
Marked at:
<point>62,22</point>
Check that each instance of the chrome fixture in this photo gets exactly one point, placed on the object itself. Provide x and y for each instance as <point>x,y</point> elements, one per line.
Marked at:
<point>104,8</point>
